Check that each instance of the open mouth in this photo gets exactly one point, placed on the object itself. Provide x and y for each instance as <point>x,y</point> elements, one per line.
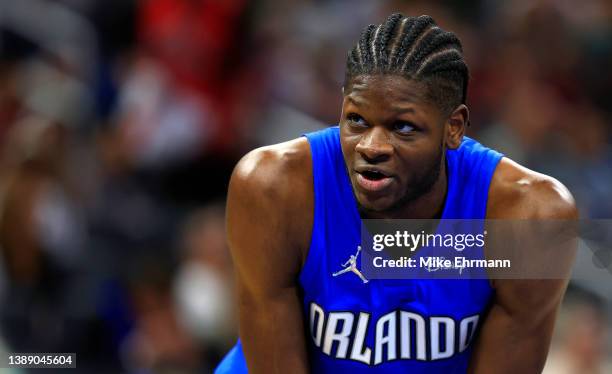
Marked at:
<point>373,175</point>
<point>372,180</point>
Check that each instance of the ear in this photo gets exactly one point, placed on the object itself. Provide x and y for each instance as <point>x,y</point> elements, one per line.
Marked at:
<point>455,126</point>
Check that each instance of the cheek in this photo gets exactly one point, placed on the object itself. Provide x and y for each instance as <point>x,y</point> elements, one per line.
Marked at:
<point>415,162</point>
<point>348,143</point>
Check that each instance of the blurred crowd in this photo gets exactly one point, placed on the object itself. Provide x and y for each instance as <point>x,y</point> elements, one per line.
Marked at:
<point>121,120</point>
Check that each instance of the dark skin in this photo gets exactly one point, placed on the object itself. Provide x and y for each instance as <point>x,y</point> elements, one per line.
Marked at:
<point>386,123</point>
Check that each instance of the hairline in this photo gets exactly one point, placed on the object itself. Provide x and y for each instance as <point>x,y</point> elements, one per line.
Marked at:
<point>425,82</point>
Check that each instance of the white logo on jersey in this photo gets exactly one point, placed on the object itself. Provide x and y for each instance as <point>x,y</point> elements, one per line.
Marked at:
<point>351,265</point>
<point>342,335</point>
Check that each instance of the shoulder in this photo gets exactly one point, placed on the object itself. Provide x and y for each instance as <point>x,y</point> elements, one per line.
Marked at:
<point>517,192</point>
<point>271,195</point>
<point>275,171</point>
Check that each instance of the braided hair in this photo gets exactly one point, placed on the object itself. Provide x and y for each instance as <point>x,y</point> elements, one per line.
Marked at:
<point>415,48</point>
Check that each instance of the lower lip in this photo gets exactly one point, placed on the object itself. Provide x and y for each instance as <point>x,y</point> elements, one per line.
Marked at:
<point>373,185</point>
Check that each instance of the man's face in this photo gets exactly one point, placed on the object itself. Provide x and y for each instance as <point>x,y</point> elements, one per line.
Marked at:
<point>392,141</point>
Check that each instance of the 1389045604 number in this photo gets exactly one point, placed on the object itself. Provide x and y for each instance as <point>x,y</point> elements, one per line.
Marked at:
<point>39,360</point>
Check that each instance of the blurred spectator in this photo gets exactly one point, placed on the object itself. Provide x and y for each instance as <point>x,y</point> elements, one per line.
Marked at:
<point>157,343</point>
<point>581,339</point>
<point>156,124</point>
<point>203,286</point>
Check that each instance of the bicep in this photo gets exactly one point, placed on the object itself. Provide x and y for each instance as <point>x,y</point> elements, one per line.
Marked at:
<point>516,333</point>
<point>271,329</point>
<point>266,267</point>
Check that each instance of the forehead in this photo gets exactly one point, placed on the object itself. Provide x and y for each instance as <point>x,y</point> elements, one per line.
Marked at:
<point>389,92</point>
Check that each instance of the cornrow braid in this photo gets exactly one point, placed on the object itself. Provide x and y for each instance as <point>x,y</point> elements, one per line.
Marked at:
<point>364,46</point>
<point>415,48</point>
<point>413,31</point>
<point>373,44</point>
<point>384,36</point>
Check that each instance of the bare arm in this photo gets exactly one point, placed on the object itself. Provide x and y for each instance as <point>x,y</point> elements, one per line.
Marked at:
<point>268,226</point>
<point>516,333</point>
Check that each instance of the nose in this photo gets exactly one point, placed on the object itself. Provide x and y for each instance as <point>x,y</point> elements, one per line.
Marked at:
<point>375,145</point>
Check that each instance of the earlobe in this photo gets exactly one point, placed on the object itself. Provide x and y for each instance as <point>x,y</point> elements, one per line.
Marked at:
<point>456,124</point>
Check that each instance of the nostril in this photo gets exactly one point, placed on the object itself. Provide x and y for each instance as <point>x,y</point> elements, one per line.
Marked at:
<point>374,155</point>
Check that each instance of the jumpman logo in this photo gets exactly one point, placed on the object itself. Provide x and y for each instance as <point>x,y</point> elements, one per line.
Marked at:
<point>351,265</point>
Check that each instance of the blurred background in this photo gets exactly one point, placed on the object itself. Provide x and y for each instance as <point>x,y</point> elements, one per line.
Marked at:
<point>121,120</point>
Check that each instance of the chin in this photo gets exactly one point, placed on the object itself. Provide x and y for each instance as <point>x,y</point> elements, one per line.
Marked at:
<point>377,205</point>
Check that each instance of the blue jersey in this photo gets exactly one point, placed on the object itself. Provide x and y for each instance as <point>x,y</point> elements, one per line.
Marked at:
<point>385,325</point>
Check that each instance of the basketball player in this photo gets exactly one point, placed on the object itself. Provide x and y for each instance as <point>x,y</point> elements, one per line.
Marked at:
<point>399,151</point>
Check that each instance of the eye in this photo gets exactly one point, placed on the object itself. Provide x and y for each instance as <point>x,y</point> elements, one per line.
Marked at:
<point>403,127</point>
<point>356,120</point>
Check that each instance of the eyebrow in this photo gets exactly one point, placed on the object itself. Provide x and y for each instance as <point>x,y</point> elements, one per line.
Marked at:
<point>397,109</point>
<point>353,101</point>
